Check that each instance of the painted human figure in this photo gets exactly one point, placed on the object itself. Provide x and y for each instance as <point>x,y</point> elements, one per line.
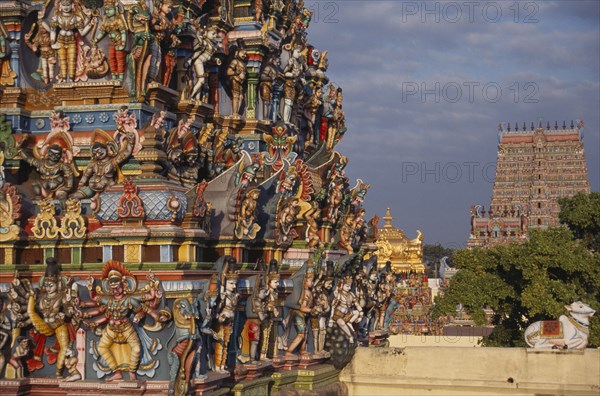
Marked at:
<point>120,305</point>
<point>383,296</point>
<point>301,314</point>
<point>41,44</point>
<point>266,306</point>
<point>345,309</point>
<point>225,313</point>
<point>269,73</point>
<point>65,25</point>
<point>115,26</point>
<point>310,109</point>
<point>246,226</point>
<point>322,308</point>
<point>20,351</point>
<point>204,48</point>
<point>104,164</point>
<point>56,175</point>
<point>236,71</point>
<point>139,58</point>
<point>291,73</point>
<point>51,310</point>
<point>71,361</point>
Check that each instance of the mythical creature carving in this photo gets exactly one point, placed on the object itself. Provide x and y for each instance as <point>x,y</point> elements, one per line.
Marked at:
<point>10,211</point>
<point>44,225</point>
<point>73,224</point>
<point>279,146</point>
<point>130,204</point>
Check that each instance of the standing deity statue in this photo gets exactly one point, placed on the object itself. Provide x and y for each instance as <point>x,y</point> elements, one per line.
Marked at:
<point>7,74</point>
<point>204,48</point>
<point>225,312</point>
<point>51,312</point>
<point>140,57</point>
<point>104,165</point>
<point>65,26</point>
<point>383,295</point>
<point>115,26</point>
<point>20,351</point>
<point>236,71</point>
<point>322,307</point>
<point>345,308</point>
<point>121,304</point>
<point>312,216</point>
<point>285,221</point>
<point>39,41</point>
<point>292,72</point>
<point>264,306</point>
<point>310,109</point>
<point>300,312</point>
<point>269,73</point>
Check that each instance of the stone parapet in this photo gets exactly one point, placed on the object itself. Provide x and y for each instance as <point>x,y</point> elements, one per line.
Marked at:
<point>472,371</point>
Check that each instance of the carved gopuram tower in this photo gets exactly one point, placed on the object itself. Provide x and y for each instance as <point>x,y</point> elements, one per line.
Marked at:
<point>536,167</point>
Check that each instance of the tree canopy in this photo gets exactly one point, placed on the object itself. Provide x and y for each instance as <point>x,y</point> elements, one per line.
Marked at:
<point>530,281</point>
<point>581,214</point>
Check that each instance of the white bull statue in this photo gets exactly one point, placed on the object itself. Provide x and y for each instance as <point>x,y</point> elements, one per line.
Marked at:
<point>568,332</point>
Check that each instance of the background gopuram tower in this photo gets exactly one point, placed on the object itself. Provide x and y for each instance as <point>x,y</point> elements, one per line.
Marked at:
<point>536,167</point>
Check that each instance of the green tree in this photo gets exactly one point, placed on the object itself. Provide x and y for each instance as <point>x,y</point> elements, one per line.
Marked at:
<point>581,213</point>
<point>523,283</point>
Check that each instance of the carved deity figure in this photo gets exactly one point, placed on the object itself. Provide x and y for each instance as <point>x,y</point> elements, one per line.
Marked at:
<point>104,164</point>
<point>322,307</point>
<point>246,226</point>
<point>269,73</point>
<point>4,336</point>
<point>264,303</point>
<point>139,58</point>
<point>40,43</point>
<point>285,222</point>
<point>291,73</point>
<point>300,313</point>
<point>236,71</point>
<point>312,216</point>
<point>65,26</point>
<point>115,26</point>
<point>54,162</point>
<point>311,106</point>
<point>204,48</point>
<point>345,309</point>
<point>7,74</point>
<point>51,311</point>
<point>225,312</point>
<point>383,295</point>
<point>120,305</point>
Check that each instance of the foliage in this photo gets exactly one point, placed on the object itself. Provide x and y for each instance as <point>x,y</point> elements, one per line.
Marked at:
<point>523,283</point>
<point>581,214</point>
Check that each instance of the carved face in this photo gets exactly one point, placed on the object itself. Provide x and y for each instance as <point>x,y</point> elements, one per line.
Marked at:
<point>346,287</point>
<point>116,286</point>
<point>50,286</point>
<point>66,6</point>
<point>211,34</point>
<point>110,11</point>
<point>230,285</point>
<point>191,157</point>
<point>166,7</point>
<point>54,154</point>
<point>328,285</point>
<point>274,284</point>
<point>242,54</point>
<point>99,152</point>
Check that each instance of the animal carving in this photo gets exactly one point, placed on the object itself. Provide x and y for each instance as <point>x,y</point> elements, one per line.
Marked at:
<point>568,332</point>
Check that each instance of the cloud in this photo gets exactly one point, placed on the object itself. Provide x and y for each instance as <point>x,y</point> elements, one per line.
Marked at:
<point>547,71</point>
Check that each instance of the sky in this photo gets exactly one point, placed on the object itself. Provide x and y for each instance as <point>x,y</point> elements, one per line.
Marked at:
<point>425,84</point>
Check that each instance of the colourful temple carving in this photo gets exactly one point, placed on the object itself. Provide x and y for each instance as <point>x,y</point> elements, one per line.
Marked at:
<point>156,150</point>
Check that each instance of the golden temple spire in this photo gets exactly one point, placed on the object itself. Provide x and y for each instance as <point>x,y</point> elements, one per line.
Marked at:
<point>388,219</point>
